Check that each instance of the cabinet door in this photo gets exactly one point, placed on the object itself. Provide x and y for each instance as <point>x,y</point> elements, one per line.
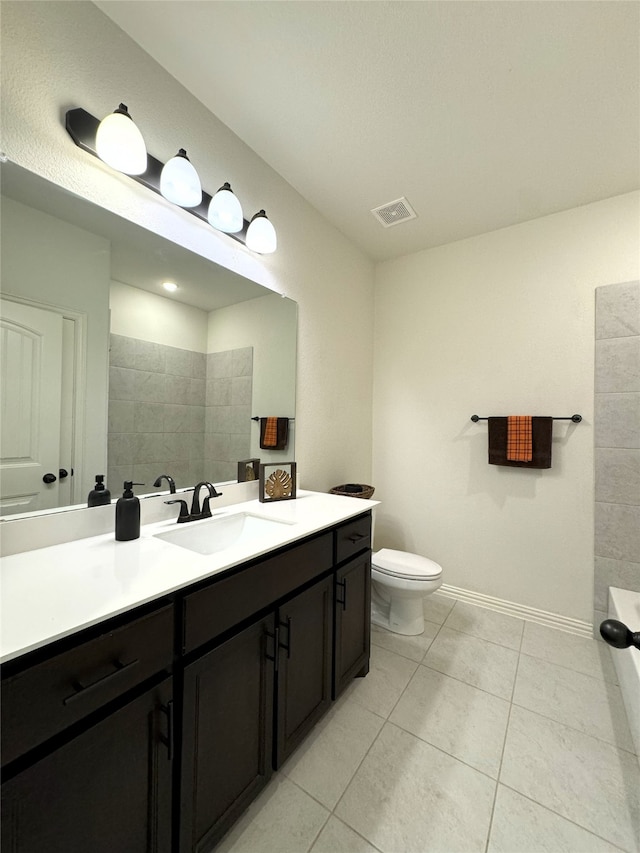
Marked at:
<point>353,622</point>
<point>304,665</point>
<point>107,789</point>
<point>227,733</point>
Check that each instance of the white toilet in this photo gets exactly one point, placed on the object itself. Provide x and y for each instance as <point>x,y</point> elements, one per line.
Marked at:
<point>400,581</point>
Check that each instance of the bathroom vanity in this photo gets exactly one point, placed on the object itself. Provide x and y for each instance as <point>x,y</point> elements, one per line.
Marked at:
<point>153,728</point>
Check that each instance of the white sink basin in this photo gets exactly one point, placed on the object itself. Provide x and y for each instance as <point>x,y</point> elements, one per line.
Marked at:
<point>216,534</point>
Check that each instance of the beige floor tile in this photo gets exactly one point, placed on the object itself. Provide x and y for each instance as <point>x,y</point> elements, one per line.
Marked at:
<point>489,625</point>
<point>588,704</point>
<point>324,764</point>
<point>337,837</point>
<point>520,824</point>
<point>409,797</point>
<point>583,654</point>
<point>574,775</point>
<point>283,819</point>
<point>462,720</point>
<point>413,648</point>
<point>388,676</point>
<point>474,661</point>
<point>437,607</point>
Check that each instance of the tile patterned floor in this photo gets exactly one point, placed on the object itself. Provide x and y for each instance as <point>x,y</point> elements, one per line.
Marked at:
<point>486,734</point>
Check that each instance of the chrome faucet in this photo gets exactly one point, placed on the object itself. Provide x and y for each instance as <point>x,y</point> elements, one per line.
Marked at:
<point>196,512</point>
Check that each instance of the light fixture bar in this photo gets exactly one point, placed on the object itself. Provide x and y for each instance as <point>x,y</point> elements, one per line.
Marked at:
<point>82,127</point>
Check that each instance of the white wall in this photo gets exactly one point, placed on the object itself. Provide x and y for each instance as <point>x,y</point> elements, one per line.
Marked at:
<point>139,314</point>
<point>58,265</point>
<point>494,325</point>
<point>59,55</point>
<point>268,324</point>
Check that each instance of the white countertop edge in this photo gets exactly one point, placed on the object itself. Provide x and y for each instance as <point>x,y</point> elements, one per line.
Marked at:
<point>57,591</point>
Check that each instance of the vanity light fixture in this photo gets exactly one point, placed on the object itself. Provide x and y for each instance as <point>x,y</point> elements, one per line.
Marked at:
<point>225,211</point>
<point>261,235</point>
<point>171,286</point>
<point>179,181</point>
<point>225,214</point>
<point>119,143</point>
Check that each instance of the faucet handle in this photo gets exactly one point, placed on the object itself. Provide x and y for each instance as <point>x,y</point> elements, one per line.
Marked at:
<point>184,512</point>
<point>206,509</point>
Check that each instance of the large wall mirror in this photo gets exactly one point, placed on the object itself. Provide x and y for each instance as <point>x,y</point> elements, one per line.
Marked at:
<point>105,372</point>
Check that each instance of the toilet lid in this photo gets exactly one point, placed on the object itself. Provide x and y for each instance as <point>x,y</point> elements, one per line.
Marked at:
<point>405,565</point>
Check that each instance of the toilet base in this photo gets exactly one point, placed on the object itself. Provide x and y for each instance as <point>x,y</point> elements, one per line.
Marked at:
<point>401,616</point>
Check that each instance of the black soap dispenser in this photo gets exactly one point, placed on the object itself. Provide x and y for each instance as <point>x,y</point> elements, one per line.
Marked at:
<point>128,514</point>
<point>99,495</point>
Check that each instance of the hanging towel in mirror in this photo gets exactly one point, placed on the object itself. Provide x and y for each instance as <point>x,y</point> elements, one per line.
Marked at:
<point>541,435</point>
<point>274,433</point>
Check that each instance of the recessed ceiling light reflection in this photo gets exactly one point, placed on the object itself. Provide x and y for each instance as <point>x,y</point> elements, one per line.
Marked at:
<point>170,286</point>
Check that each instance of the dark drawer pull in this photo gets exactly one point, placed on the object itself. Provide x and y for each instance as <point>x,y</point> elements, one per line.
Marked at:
<point>287,646</point>
<point>168,740</point>
<point>356,537</point>
<point>343,600</point>
<point>83,689</point>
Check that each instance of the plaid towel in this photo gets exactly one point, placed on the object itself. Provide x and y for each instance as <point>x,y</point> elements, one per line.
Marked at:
<point>519,446</point>
<point>270,438</point>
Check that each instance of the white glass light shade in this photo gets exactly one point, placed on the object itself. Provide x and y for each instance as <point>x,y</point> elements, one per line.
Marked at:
<point>261,235</point>
<point>120,144</point>
<point>225,211</point>
<point>179,181</point>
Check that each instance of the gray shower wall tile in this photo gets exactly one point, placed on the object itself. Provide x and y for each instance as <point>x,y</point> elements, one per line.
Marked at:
<point>617,475</point>
<point>242,361</point>
<point>220,365</point>
<point>618,310</point>
<point>148,417</point>
<point>197,419</point>
<point>177,418</point>
<point>177,390</point>
<point>121,449</point>
<point>122,351</point>
<point>618,365</point>
<point>240,420</point>
<point>218,392</point>
<point>122,382</point>
<point>241,388</point>
<point>199,365</point>
<point>149,387</point>
<point>609,572</point>
<point>617,531</point>
<point>121,415</point>
<point>150,357</point>
<point>197,392</point>
<point>149,447</point>
<point>617,420</point>
<point>178,362</point>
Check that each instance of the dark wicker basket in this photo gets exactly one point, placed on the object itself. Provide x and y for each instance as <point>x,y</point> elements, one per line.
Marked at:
<point>353,490</point>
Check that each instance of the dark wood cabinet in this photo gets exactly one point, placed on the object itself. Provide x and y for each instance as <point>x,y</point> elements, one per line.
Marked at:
<point>352,621</point>
<point>107,789</point>
<point>227,733</point>
<point>304,665</point>
<point>99,756</point>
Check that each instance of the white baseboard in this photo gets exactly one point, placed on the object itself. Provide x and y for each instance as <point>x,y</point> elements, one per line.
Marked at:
<point>530,614</point>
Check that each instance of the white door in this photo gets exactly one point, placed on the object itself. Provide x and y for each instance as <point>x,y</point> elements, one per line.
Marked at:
<point>30,376</point>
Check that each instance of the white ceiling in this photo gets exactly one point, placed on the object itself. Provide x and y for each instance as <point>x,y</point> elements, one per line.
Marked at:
<point>482,114</point>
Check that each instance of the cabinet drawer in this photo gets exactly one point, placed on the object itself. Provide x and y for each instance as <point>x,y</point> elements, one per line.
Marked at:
<point>45,699</point>
<point>227,602</point>
<point>353,537</point>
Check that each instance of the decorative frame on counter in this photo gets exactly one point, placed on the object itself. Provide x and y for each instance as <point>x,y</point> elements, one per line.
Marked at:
<point>277,481</point>
<point>248,469</point>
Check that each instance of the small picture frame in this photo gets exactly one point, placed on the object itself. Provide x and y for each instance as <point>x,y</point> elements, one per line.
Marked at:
<point>277,481</point>
<point>248,469</point>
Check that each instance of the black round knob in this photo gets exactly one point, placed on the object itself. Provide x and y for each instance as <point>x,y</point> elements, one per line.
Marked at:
<point>49,478</point>
<point>63,473</point>
<point>616,634</point>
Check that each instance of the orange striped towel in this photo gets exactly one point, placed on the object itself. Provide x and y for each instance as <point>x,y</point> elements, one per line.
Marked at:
<point>270,438</point>
<point>519,446</point>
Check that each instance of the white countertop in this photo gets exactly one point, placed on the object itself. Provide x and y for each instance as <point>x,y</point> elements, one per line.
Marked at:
<point>53,592</point>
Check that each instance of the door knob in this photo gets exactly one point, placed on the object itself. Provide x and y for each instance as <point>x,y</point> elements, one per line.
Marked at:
<point>63,473</point>
<point>49,478</point>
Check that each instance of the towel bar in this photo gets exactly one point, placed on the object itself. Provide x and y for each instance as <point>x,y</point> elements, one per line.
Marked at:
<point>258,419</point>
<point>575,418</point>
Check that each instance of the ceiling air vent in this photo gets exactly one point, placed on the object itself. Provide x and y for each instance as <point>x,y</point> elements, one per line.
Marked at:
<point>394,212</point>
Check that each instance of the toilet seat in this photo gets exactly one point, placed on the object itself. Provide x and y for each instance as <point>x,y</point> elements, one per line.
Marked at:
<point>404,565</point>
